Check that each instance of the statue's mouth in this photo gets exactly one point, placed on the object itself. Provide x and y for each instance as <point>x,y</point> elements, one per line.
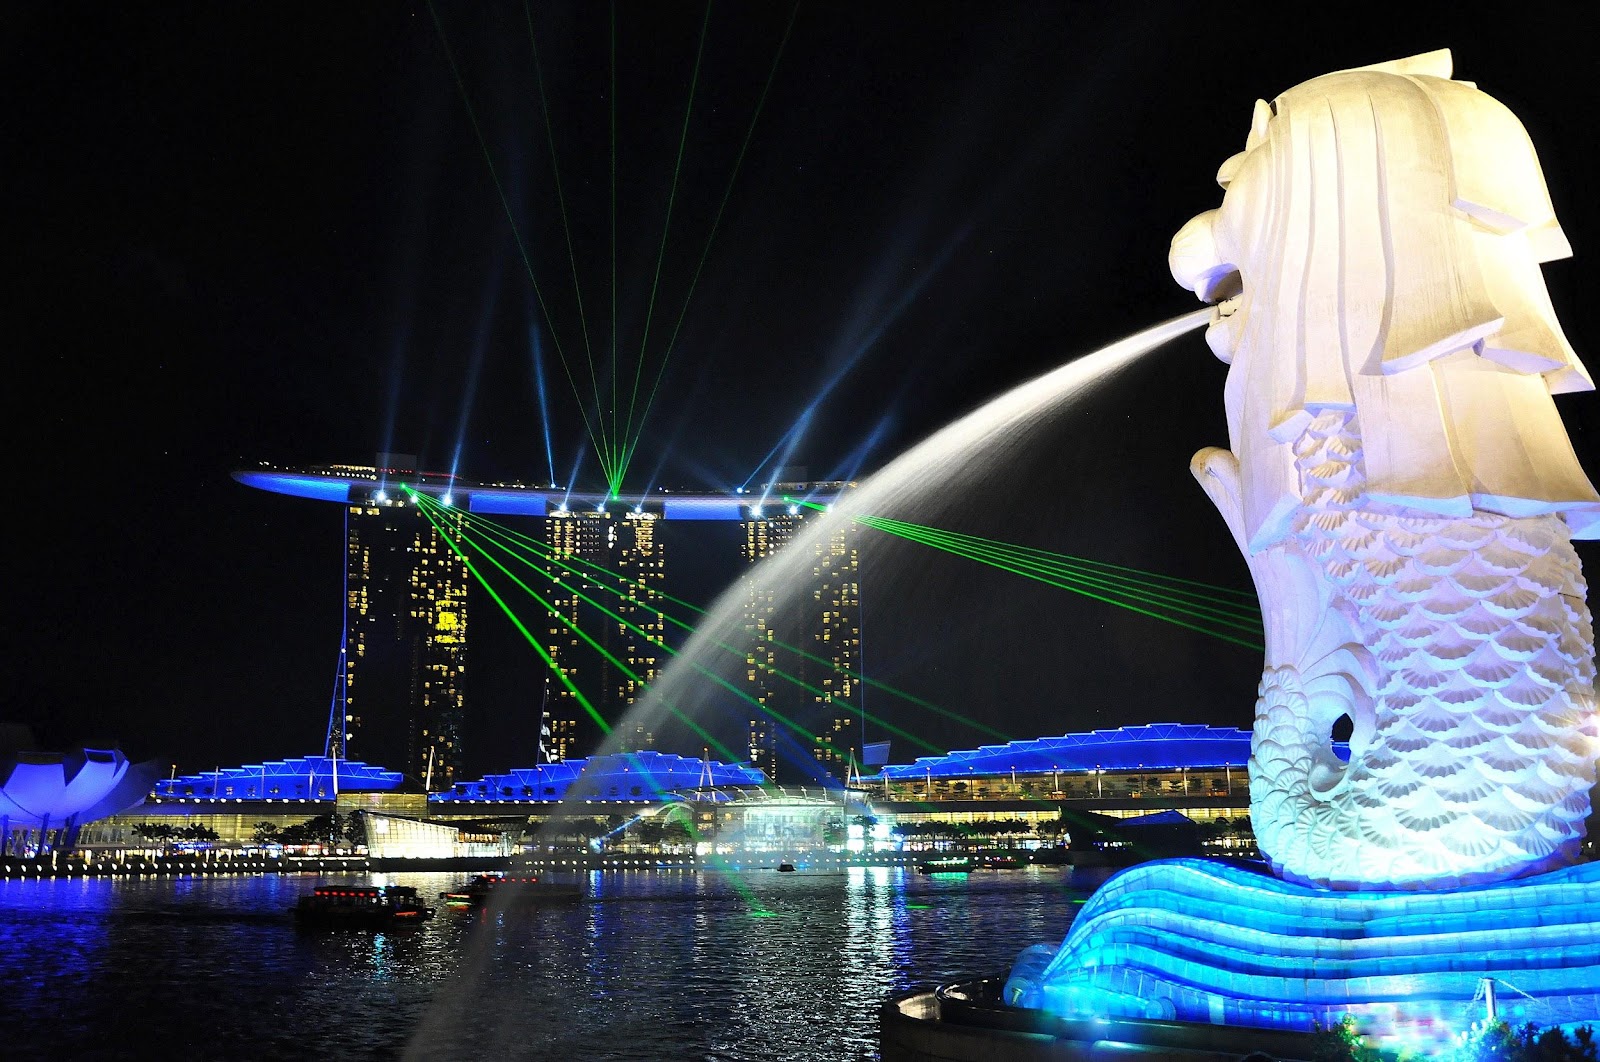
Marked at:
<point>1225,295</point>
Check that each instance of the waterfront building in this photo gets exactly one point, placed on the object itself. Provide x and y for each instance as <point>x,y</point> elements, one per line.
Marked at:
<point>1132,771</point>
<point>405,646</point>
<point>1198,771</point>
<point>822,617</point>
<point>640,777</point>
<point>234,803</point>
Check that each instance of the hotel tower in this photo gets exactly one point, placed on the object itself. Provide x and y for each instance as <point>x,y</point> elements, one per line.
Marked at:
<point>823,618</point>
<point>629,544</point>
<point>405,635</point>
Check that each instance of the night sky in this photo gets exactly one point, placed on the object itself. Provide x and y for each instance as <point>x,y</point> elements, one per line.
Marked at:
<point>244,233</point>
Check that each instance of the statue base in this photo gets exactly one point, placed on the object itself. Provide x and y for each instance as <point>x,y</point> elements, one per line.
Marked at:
<point>1209,941</point>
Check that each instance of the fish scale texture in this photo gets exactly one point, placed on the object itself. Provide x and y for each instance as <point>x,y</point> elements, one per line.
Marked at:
<point>1478,686</point>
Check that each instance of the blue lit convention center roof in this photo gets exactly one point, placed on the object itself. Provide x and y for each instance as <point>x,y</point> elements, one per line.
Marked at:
<point>360,483</point>
<point>1155,746</point>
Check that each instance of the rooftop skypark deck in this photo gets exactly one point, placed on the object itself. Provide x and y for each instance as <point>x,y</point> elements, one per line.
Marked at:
<point>346,483</point>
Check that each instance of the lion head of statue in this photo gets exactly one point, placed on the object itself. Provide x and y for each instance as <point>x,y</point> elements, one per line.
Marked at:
<point>1378,250</point>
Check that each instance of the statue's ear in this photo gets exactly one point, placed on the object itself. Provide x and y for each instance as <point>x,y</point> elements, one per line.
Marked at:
<point>1259,119</point>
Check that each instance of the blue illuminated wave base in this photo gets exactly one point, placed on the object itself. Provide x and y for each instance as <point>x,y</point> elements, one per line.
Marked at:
<point>1206,941</point>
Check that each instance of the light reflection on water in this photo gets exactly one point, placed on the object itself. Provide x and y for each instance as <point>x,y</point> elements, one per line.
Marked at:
<point>666,965</point>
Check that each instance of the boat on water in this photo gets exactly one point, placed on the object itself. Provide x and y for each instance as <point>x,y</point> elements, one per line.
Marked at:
<point>786,868</point>
<point>517,890</point>
<point>946,865</point>
<point>361,907</point>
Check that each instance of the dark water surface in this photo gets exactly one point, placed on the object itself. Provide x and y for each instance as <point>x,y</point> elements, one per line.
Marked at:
<point>653,966</point>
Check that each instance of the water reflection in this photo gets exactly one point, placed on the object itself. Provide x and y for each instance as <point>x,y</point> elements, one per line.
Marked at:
<point>661,965</point>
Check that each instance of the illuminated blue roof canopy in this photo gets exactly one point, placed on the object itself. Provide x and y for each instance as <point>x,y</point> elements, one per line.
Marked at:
<point>626,776</point>
<point>1157,745</point>
<point>304,778</point>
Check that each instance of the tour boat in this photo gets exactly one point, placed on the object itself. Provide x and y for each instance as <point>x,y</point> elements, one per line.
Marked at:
<point>946,865</point>
<point>361,907</point>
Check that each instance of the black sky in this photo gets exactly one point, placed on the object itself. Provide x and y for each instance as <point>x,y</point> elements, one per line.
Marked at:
<point>267,232</point>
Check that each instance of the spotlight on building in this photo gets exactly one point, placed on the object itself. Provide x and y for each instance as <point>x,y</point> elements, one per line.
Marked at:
<point>381,496</point>
<point>448,500</point>
<point>755,512</point>
<point>794,510</point>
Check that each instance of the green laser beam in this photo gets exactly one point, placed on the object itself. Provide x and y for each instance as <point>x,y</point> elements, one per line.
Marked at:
<point>827,697</point>
<point>1095,596</point>
<point>516,231</point>
<point>1223,619</point>
<point>1233,605</point>
<point>832,665</point>
<point>734,879</point>
<point>566,227</point>
<point>660,644</point>
<point>613,102</point>
<point>553,611</point>
<point>767,710</point>
<point>1247,623</point>
<point>1045,555</point>
<point>542,548</point>
<point>1079,584</point>
<point>427,503</point>
<point>631,444</point>
<point>605,653</point>
<point>672,196</point>
<point>517,622</point>
<point>991,552</point>
<point>1045,558</point>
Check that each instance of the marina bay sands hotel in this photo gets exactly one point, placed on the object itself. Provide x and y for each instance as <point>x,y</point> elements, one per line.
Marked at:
<point>403,689</point>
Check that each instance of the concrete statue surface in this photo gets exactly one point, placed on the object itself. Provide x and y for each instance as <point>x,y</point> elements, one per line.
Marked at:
<point>1400,482</point>
<point>1405,495</point>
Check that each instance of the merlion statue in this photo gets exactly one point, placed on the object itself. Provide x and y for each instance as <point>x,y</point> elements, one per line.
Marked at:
<point>1400,482</point>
